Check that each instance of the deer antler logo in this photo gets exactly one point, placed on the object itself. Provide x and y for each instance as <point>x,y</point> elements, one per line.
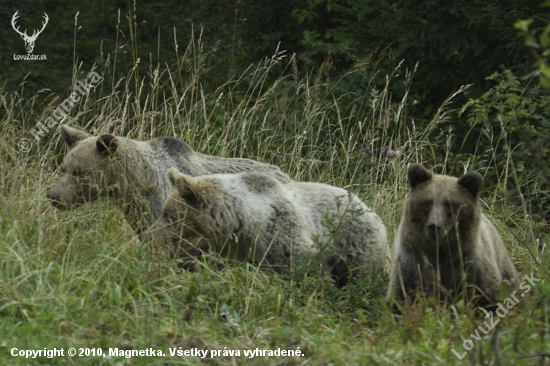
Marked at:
<point>29,41</point>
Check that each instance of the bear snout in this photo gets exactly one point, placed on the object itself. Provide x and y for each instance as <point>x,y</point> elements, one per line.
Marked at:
<point>55,197</point>
<point>435,227</point>
<point>435,231</point>
<point>157,232</point>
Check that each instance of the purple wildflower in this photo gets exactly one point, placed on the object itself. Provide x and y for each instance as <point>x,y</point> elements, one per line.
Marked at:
<point>365,151</point>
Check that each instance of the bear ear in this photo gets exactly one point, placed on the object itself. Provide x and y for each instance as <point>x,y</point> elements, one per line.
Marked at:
<point>107,144</point>
<point>472,181</point>
<point>184,185</point>
<point>418,174</point>
<point>174,176</point>
<point>71,135</point>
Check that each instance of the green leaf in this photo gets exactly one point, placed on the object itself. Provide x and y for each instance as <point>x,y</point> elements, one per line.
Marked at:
<point>523,25</point>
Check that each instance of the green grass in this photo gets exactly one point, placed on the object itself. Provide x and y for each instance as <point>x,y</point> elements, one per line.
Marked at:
<point>82,279</point>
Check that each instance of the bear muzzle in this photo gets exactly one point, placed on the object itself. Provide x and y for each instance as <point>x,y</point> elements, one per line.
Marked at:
<point>57,202</point>
<point>157,232</point>
<point>435,231</point>
<point>435,228</point>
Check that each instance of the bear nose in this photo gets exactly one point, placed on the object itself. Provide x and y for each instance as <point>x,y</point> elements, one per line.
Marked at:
<point>53,195</point>
<point>434,230</point>
<point>55,198</point>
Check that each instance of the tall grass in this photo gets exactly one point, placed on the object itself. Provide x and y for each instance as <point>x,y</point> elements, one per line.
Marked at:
<point>82,279</point>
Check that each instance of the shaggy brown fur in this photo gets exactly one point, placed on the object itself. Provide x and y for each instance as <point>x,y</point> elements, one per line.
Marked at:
<point>133,173</point>
<point>252,216</point>
<point>444,242</point>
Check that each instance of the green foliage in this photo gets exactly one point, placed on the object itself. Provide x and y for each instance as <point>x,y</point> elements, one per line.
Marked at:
<point>454,43</point>
<point>539,47</point>
<point>515,112</point>
<point>515,117</point>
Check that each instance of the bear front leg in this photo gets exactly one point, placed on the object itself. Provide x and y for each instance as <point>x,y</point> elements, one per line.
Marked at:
<point>404,276</point>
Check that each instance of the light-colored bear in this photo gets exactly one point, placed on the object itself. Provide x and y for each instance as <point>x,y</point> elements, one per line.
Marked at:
<point>252,216</point>
<point>133,173</point>
<point>445,243</point>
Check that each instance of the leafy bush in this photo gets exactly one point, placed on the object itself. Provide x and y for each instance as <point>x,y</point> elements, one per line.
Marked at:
<point>515,113</point>
<point>513,119</point>
<point>454,43</point>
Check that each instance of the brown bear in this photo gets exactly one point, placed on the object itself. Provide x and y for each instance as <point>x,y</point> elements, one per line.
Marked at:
<point>445,243</point>
<point>252,216</point>
<point>133,173</point>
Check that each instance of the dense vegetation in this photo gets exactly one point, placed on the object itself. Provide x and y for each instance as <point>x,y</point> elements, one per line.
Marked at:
<point>453,43</point>
<point>317,87</point>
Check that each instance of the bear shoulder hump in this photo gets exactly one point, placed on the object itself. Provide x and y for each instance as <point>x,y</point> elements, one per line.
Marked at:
<point>174,147</point>
<point>259,182</point>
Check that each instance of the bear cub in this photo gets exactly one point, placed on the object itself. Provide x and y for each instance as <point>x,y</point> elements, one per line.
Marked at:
<point>445,243</point>
<point>253,217</point>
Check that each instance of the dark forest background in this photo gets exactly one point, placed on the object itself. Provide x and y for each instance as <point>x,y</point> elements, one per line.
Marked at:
<point>454,43</point>
<point>497,47</point>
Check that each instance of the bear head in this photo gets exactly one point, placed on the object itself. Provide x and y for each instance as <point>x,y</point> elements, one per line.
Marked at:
<point>198,207</point>
<point>440,205</point>
<point>85,168</point>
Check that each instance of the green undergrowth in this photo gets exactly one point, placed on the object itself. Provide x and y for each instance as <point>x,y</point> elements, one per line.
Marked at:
<point>82,279</point>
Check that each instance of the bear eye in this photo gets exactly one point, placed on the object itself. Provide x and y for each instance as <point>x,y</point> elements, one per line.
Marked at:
<point>427,206</point>
<point>450,207</point>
